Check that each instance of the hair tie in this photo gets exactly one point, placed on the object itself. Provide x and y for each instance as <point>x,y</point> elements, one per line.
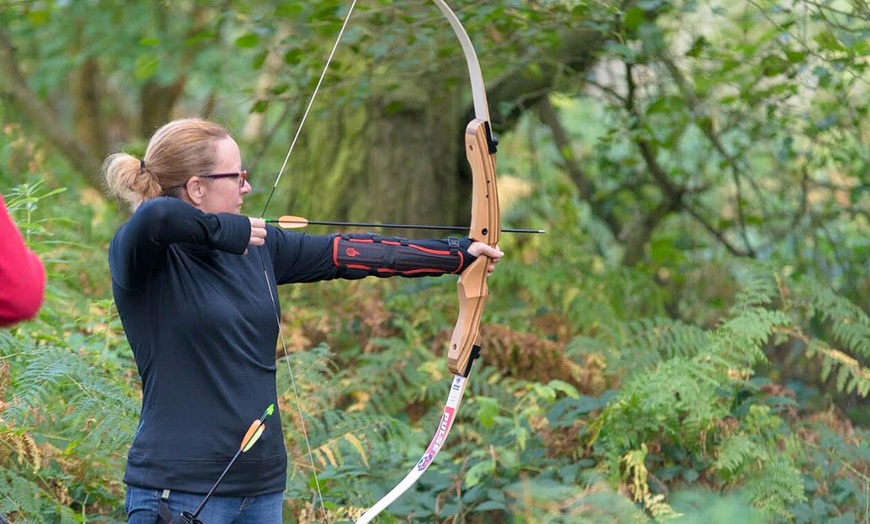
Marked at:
<point>142,165</point>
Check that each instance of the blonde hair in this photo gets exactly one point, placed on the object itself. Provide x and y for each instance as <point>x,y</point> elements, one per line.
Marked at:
<point>177,151</point>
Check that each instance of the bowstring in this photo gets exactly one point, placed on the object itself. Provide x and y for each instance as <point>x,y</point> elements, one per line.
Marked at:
<point>274,299</point>
<point>293,387</point>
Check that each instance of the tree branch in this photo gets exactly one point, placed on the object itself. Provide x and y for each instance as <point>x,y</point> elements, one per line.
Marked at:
<point>581,180</point>
<point>736,173</point>
<point>42,117</point>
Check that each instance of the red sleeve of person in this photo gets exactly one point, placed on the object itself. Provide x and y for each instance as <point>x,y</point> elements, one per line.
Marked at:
<point>22,276</point>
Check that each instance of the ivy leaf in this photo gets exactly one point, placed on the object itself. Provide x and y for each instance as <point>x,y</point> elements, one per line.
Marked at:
<point>478,472</point>
<point>248,41</point>
<point>633,18</point>
<point>551,390</point>
<point>146,66</point>
<point>487,411</point>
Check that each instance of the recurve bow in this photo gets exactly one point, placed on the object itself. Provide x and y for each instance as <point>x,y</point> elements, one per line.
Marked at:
<point>472,288</point>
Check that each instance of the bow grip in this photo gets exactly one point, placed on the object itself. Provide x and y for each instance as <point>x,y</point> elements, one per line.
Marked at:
<point>472,291</point>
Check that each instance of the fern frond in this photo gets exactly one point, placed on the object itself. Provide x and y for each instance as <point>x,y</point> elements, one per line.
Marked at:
<point>752,327</point>
<point>842,341</point>
<point>21,496</point>
<point>735,452</point>
<point>641,344</point>
<point>336,434</point>
<point>758,290</point>
<point>851,375</point>
<point>667,337</point>
<point>775,485</point>
<point>22,447</point>
<point>106,407</point>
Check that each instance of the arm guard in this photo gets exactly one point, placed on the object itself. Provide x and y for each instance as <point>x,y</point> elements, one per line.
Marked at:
<point>367,254</point>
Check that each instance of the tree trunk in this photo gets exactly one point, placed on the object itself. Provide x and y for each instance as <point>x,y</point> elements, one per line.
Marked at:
<point>87,122</point>
<point>42,117</point>
<point>389,160</point>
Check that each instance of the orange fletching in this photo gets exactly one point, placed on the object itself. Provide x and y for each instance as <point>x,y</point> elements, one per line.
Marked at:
<point>252,435</point>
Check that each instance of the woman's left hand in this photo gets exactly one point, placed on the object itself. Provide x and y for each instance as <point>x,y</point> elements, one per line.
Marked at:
<point>479,248</point>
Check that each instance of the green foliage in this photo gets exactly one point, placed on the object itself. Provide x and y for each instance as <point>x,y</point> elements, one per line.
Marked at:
<point>24,497</point>
<point>703,416</point>
<point>847,352</point>
<point>339,442</point>
<point>68,407</point>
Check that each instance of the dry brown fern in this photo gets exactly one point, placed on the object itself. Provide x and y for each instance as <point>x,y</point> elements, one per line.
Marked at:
<point>529,357</point>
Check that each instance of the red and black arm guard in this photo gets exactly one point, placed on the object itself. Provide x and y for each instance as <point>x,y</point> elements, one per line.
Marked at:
<point>361,255</point>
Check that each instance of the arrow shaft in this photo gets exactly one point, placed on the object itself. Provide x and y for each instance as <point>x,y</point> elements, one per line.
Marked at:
<point>214,487</point>
<point>249,436</point>
<point>404,226</point>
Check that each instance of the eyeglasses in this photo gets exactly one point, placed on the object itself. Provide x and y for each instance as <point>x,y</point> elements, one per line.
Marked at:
<point>243,175</point>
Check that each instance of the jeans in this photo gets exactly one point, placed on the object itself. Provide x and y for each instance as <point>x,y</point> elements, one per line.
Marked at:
<point>141,507</point>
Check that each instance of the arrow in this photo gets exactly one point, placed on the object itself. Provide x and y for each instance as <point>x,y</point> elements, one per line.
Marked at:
<point>294,222</point>
<point>250,438</point>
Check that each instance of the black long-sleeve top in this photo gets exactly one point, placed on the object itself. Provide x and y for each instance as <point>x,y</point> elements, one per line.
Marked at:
<point>199,317</point>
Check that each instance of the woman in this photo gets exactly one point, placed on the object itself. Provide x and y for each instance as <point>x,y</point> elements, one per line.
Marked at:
<point>22,276</point>
<point>188,280</point>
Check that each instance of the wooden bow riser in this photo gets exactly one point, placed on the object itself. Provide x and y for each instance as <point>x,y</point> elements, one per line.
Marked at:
<point>472,288</point>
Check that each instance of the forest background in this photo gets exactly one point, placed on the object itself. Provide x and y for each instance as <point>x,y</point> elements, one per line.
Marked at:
<point>689,342</point>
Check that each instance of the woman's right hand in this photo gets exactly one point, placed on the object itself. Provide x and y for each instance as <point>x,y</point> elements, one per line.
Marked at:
<point>258,231</point>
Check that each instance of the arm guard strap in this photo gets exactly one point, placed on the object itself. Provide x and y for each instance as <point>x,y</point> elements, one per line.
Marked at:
<point>366,254</point>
